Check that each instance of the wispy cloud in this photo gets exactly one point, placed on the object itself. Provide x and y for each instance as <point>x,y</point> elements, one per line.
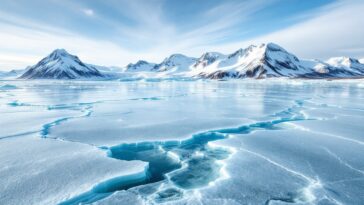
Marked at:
<point>335,30</point>
<point>152,36</point>
<point>117,32</point>
<point>27,45</point>
<point>88,12</point>
<point>159,36</point>
<point>223,20</point>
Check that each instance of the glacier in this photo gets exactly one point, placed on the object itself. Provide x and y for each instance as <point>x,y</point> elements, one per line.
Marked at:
<point>273,141</point>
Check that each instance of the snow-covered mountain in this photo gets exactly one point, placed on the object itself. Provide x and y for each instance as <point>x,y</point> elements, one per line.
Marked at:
<point>11,74</point>
<point>106,69</point>
<point>140,66</point>
<point>263,61</point>
<point>266,60</point>
<point>348,64</point>
<point>207,59</point>
<point>175,63</point>
<point>271,60</point>
<point>61,65</point>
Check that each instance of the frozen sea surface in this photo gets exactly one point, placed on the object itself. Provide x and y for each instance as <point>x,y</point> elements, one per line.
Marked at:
<point>200,142</point>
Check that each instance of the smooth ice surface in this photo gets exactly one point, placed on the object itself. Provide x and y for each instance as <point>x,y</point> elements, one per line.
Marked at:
<point>200,142</point>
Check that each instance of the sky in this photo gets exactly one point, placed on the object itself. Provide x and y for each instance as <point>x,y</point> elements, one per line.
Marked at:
<point>118,32</point>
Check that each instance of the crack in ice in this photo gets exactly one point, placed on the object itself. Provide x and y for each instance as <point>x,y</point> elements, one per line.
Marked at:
<point>183,164</point>
<point>186,157</point>
<point>342,161</point>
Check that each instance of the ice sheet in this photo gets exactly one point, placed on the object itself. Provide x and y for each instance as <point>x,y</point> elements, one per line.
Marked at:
<point>215,142</point>
<point>46,171</point>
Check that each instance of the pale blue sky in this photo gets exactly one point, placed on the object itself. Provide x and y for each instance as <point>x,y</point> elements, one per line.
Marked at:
<point>116,32</point>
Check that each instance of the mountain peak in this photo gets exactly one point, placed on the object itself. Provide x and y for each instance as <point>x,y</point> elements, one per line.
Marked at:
<point>274,47</point>
<point>175,62</point>
<point>207,59</point>
<point>140,65</point>
<point>344,59</point>
<point>178,55</point>
<point>208,55</point>
<point>275,51</point>
<point>60,65</point>
<point>62,55</point>
<point>176,58</point>
<point>346,63</point>
<point>59,52</point>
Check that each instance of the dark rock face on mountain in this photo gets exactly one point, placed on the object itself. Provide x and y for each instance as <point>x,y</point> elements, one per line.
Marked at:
<point>61,65</point>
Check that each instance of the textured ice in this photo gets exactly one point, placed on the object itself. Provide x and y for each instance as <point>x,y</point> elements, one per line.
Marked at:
<point>171,142</point>
<point>41,171</point>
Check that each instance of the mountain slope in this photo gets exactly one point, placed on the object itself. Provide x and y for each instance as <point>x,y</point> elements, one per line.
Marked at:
<point>172,64</point>
<point>271,60</point>
<point>11,74</point>
<point>348,64</point>
<point>263,61</point>
<point>175,63</point>
<point>207,59</point>
<point>61,65</point>
<point>140,66</point>
<point>266,60</point>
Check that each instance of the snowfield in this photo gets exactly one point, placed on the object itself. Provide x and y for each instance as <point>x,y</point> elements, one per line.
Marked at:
<point>182,142</point>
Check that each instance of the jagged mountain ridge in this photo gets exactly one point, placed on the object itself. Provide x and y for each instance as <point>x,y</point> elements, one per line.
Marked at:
<point>263,61</point>
<point>141,65</point>
<point>174,61</point>
<point>266,61</point>
<point>207,59</point>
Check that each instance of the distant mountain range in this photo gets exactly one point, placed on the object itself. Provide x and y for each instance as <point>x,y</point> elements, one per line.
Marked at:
<point>11,74</point>
<point>263,61</point>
